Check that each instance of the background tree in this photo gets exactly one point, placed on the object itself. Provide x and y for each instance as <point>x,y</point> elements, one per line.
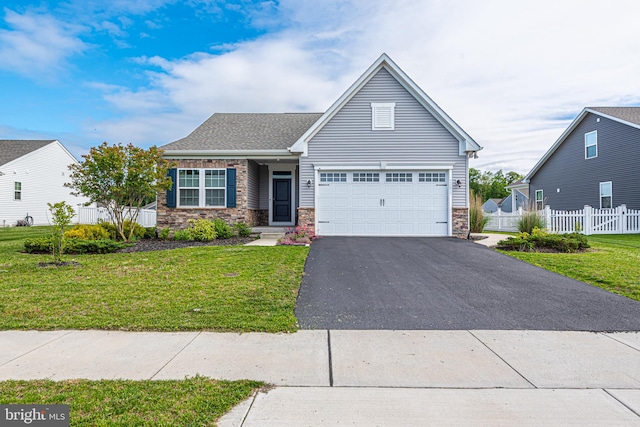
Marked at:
<point>121,178</point>
<point>491,185</point>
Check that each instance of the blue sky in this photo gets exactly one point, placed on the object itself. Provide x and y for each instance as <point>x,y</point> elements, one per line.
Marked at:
<point>513,74</point>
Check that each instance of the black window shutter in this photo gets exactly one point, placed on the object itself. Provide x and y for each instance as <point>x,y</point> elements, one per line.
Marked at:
<point>172,192</point>
<point>231,188</point>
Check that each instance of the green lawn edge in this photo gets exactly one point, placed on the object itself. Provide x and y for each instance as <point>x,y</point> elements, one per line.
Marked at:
<point>193,401</point>
<point>612,263</point>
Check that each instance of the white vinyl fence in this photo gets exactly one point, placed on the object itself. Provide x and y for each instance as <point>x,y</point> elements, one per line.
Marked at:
<point>91,215</point>
<point>587,221</point>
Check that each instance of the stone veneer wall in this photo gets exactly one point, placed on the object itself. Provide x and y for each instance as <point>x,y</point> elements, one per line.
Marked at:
<point>178,218</point>
<point>260,217</point>
<point>307,217</point>
<point>461,222</point>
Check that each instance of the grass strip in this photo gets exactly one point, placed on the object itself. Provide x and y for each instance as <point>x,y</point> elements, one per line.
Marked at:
<point>612,263</point>
<point>194,401</point>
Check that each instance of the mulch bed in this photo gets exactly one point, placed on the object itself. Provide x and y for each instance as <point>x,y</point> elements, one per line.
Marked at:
<point>147,245</point>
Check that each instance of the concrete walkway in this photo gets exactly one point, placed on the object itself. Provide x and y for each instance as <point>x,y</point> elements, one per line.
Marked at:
<point>489,240</point>
<point>366,377</point>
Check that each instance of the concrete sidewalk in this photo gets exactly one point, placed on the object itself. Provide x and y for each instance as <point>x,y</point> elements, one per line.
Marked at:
<point>366,377</point>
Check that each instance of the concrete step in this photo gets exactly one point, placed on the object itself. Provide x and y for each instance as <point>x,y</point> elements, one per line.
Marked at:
<point>274,236</point>
<point>265,229</point>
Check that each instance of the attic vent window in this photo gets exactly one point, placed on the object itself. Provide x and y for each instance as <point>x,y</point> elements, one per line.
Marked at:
<point>383,116</point>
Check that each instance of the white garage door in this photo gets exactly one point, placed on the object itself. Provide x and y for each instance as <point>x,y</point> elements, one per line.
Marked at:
<point>383,203</point>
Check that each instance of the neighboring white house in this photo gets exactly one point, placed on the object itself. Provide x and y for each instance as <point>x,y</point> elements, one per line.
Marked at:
<point>32,174</point>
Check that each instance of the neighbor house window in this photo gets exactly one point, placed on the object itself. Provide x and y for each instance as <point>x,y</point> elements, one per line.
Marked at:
<point>606,195</point>
<point>591,145</point>
<point>383,116</point>
<point>17,191</point>
<point>539,200</point>
<point>202,187</point>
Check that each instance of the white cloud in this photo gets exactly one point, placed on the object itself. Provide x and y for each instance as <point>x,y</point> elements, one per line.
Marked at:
<point>38,45</point>
<point>512,74</point>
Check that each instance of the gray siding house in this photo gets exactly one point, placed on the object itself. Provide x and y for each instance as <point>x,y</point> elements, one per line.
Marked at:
<point>383,160</point>
<point>594,162</point>
<point>491,205</point>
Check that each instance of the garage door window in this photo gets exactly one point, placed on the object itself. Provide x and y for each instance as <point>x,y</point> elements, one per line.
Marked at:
<point>399,177</point>
<point>333,177</point>
<point>432,177</point>
<point>366,177</point>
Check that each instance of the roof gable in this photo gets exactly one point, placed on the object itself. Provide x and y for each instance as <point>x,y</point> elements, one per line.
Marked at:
<point>245,132</point>
<point>12,149</point>
<point>467,144</point>
<point>629,116</point>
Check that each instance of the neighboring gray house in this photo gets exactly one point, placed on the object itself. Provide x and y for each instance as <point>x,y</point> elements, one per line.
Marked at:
<point>519,197</point>
<point>383,160</point>
<point>594,162</point>
<point>491,205</point>
<point>506,204</point>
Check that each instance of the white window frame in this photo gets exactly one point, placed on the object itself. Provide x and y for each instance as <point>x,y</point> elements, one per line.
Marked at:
<point>366,177</point>
<point>202,188</point>
<point>398,177</point>
<point>610,195</point>
<point>383,115</point>
<point>432,177</point>
<point>594,144</point>
<point>17,190</point>
<point>333,177</point>
<point>539,200</point>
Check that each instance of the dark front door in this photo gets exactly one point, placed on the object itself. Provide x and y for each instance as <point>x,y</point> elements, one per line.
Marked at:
<point>282,200</point>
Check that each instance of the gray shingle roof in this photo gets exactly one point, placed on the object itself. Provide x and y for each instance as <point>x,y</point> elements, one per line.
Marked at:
<point>11,149</point>
<point>246,131</point>
<point>628,114</point>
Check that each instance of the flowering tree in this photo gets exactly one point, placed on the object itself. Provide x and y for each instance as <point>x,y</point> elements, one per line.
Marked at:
<point>120,178</point>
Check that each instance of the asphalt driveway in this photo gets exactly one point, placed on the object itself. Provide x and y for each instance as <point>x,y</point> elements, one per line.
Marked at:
<point>446,283</point>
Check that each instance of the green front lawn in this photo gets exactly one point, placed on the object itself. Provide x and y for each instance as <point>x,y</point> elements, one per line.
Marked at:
<point>192,402</point>
<point>222,288</point>
<point>612,263</point>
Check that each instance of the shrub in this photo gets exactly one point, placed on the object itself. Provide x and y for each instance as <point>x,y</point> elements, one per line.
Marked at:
<point>87,232</point>
<point>182,235</point>
<point>38,245</point>
<point>477,220</point>
<point>138,230</point>
<point>242,229</point>
<point>164,233</point>
<point>223,230</point>
<point>102,246</point>
<point>301,235</point>
<point>150,232</point>
<point>201,230</point>
<point>541,240</point>
<point>44,245</point>
<point>530,219</point>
